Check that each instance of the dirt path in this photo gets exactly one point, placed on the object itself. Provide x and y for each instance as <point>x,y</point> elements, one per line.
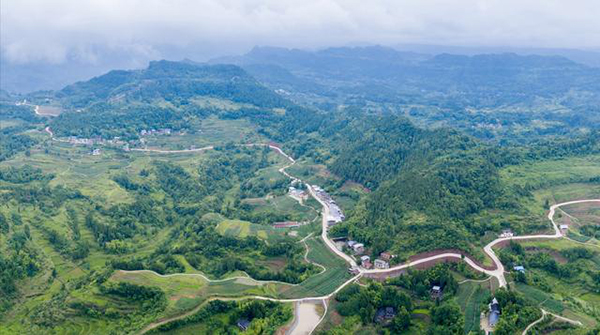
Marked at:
<point>306,318</point>
<point>544,314</point>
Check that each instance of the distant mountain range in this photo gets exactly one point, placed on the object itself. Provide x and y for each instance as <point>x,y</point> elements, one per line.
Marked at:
<point>28,77</point>
<point>385,75</point>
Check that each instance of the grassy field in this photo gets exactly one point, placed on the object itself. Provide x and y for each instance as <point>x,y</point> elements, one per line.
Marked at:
<point>470,297</point>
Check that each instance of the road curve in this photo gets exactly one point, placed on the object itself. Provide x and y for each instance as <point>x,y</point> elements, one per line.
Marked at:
<point>498,273</point>
<point>544,314</point>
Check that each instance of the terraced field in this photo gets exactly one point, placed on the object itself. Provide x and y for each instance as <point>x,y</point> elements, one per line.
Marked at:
<point>326,282</point>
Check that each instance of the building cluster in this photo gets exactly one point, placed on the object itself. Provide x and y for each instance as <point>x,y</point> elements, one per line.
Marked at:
<point>165,131</point>
<point>95,141</point>
<point>297,193</point>
<point>335,215</point>
<point>383,262</point>
<point>358,248</point>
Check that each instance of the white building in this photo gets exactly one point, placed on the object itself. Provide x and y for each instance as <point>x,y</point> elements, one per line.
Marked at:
<point>381,264</point>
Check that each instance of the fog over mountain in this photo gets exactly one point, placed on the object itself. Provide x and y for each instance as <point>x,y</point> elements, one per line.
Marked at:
<point>48,44</point>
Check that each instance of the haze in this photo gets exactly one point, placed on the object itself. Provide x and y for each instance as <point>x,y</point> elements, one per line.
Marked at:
<point>49,44</point>
<point>55,31</point>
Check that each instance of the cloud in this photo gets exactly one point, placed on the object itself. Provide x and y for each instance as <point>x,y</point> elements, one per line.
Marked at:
<point>54,31</point>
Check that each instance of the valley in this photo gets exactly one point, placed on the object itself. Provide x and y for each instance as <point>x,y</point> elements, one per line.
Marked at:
<point>193,198</point>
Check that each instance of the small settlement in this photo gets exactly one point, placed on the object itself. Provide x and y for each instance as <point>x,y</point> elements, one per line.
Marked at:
<point>297,193</point>
<point>335,212</point>
<point>336,216</point>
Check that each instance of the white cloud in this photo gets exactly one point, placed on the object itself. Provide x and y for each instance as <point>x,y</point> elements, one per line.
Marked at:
<point>56,30</point>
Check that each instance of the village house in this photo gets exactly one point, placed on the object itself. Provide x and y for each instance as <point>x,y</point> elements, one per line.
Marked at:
<point>385,314</point>
<point>564,227</point>
<point>507,233</point>
<point>297,193</point>
<point>386,256</point>
<point>365,259</point>
<point>519,268</point>
<point>494,316</point>
<point>381,264</point>
<point>243,324</point>
<point>436,292</point>
<point>96,152</point>
<point>358,248</point>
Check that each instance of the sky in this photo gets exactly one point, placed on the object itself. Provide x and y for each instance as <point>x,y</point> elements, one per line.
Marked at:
<point>58,31</point>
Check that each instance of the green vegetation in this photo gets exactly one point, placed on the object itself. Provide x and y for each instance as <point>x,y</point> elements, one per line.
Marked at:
<point>561,276</point>
<point>355,307</point>
<point>336,272</point>
<point>221,317</point>
<point>75,227</point>
<point>470,297</point>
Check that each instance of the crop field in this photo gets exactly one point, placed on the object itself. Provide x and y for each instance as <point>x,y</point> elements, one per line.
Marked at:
<point>555,172</point>
<point>326,282</point>
<point>287,206</point>
<point>210,131</point>
<point>74,167</point>
<point>312,173</point>
<point>541,298</point>
<point>572,297</point>
<point>49,110</point>
<point>185,292</point>
<point>563,193</point>
<point>470,297</point>
<point>241,229</point>
<point>584,222</point>
<point>10,123</point>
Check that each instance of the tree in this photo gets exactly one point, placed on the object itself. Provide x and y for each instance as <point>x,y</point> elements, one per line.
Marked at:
<point>447,316</point>
<point>4,227</point>
<point>401,321</point>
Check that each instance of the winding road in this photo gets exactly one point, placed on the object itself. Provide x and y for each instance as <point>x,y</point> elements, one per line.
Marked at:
<point>497,273</point>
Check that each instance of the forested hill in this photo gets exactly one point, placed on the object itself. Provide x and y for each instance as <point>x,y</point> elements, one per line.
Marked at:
<point>170,95</point>
<point>401,72</point>
<point>171,81</point>
<point>507,97</point>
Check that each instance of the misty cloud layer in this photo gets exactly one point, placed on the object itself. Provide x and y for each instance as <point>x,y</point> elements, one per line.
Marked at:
<point>60,30</point>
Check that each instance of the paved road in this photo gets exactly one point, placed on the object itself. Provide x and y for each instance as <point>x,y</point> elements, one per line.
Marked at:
<point>498,273</point>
